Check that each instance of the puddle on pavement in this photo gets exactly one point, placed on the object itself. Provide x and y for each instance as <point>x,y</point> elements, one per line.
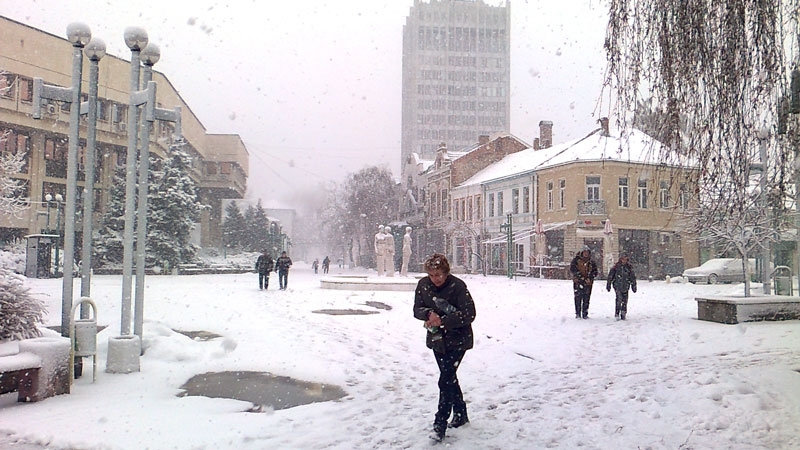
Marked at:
<point>199,335</point>
<point>263,390</point>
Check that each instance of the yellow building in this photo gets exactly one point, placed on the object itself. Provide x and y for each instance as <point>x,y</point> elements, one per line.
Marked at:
<point>219,162</point>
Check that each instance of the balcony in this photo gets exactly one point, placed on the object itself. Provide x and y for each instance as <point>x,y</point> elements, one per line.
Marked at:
<point>592,208</point>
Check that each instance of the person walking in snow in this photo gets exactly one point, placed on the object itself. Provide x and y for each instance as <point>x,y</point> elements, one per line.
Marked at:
<point>282,267</point>
<point>584,271</point>
<point>264,265</point>
<point>622,277</point>
<point>326,264</point>
<point>315,265</point>
<point>444,303</point>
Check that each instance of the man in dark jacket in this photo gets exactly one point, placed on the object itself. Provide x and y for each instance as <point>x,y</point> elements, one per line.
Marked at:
<point>445,304</point>
<point>622,277</point>
<point>584,271</point>
<point>264,266</point>
<point>282,267</point>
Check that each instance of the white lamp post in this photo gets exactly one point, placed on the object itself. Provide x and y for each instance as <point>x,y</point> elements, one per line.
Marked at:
<point>763,135</point>
<point>95,50</point>
<point>136,40</point>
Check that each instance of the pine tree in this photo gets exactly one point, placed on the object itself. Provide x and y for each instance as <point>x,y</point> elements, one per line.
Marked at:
<point>172,213</point>
<point>108,246</point>
<point>233,228</point>
<point>258,228</point>
<point>19,311</point>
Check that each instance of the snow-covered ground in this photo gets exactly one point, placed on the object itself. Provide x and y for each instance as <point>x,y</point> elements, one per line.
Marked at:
<point>537,377</point>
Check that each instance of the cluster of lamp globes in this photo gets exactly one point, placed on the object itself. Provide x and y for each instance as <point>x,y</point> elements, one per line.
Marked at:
<point>136,39</point>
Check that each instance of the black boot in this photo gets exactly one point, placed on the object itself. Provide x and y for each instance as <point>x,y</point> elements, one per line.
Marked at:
<point>439,429</point>
<point>459,419</point>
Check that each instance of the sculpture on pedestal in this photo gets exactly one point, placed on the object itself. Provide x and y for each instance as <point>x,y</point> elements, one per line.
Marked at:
<point>380,259</point>
<point>388,254</point>
<point>406,252</point>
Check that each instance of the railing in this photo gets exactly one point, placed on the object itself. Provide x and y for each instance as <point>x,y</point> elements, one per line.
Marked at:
<point>591,207</point>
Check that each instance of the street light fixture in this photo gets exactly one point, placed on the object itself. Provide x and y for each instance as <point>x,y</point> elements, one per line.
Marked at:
<point>149,56</point>
<point>95,50</point>
<point>135,39</point>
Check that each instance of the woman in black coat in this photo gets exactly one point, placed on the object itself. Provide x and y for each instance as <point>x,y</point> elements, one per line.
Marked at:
<point>445,304</point>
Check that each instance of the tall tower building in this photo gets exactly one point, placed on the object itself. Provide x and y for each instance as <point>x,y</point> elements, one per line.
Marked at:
<point>456,74</point>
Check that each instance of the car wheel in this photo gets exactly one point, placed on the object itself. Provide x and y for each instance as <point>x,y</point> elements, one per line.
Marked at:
<point>712,279</point>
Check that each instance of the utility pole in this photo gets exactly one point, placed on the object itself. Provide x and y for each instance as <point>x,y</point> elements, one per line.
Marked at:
<point>507,227</point>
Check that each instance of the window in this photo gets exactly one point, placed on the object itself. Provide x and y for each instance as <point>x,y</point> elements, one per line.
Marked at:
<point>499,203</point>
<point>445,209</point>
<point>549,188</point>
<point>469,217</point>
<point>683,199</point>
<point>463,209</point>
<point>623,192</point>
<point>593,188</point>
<point>526,199</point>
<point>25,89</point>
<point>515,201</point>
<point>641,197</point>
<point>478,208</point>
<point>663,194</point>
<point>562,193</point>
<point>434,204</point>
<point>7,85</point>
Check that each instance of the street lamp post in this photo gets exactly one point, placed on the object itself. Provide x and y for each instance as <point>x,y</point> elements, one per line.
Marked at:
<point>95,51</point>
<point>763,135</point>
<point>136,40</point>
<point>507,227</point>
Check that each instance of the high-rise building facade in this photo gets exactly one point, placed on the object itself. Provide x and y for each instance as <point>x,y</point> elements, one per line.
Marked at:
<point>456,74</point>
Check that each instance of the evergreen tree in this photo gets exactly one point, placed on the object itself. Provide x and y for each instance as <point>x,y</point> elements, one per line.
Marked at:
<point>233,228</point>
<point>108,245</point>
<point>259,228</point>
<point>173,212</point>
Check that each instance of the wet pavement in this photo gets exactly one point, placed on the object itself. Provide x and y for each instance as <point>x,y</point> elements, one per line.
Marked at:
<point>264,390</point>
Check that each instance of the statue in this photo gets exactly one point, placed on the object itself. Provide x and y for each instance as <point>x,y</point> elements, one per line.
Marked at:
<point>388,265</point>
<point>406,252</point>
<point>380,259</point>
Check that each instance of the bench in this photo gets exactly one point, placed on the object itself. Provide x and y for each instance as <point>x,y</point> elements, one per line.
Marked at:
<point>732,310</point>
<point>20,373</point>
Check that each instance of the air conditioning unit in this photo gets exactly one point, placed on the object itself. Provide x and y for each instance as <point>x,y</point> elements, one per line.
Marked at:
<point>122,126</point>
<point>52,109</point>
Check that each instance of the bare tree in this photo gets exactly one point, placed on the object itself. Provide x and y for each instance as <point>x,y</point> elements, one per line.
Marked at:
<point>715,73</point>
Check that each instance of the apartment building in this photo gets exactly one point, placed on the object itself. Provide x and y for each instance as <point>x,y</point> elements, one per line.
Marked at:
<point>607,192</point>
<point>456,74</point>
<point>219,162</point>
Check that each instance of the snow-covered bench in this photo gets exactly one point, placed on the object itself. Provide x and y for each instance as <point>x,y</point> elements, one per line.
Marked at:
<point>733,310</point>
<point>19,372</point>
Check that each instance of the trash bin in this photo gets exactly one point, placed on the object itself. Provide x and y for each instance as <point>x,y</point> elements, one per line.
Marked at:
<point>783,280</point>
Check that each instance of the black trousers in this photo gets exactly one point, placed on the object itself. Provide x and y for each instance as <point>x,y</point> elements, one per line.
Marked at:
<point>283,278</point>
<point>450,397</point>
<point>621,302</point>
<point>263,280</point>
<point>582,294</point>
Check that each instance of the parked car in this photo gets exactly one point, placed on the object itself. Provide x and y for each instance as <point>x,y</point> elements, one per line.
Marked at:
<point>719,270</point>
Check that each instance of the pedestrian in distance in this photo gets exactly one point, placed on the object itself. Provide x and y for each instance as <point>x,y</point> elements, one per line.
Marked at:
<point>445,305</point>
<point>282,267</point>
<point>584,271</point>
<point>326,264</point>
<point>622,278</point>
<point>315,265</point>
<point>264,265</point>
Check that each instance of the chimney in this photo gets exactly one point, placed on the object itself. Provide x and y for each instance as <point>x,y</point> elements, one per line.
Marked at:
<point>483,139</point>
<point>536,144</point>
<point>546,133</point>
<point>604,126</point>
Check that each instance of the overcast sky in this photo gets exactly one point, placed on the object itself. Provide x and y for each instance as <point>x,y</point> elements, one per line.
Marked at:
<point>313,86</point>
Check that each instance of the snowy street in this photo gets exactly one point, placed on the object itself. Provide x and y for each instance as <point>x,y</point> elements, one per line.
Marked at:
<point>537,377</point>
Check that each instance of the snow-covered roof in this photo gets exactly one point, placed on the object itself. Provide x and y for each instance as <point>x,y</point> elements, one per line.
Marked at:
<point>635,147</point>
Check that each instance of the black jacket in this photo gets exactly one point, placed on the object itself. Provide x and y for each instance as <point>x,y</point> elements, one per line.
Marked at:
<point>621,276</point>
<point>264,264</point>
<point>456,325</point>
<point>283,263</point>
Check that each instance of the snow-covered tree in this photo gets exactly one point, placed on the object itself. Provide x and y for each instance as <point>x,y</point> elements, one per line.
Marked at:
<point>19,311</point>
<point>11,200</point>
<point>173,212</point>
<point>233,228</point>
<point>108,241</point>
<point>714,73</point>
<point>258,227</point>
